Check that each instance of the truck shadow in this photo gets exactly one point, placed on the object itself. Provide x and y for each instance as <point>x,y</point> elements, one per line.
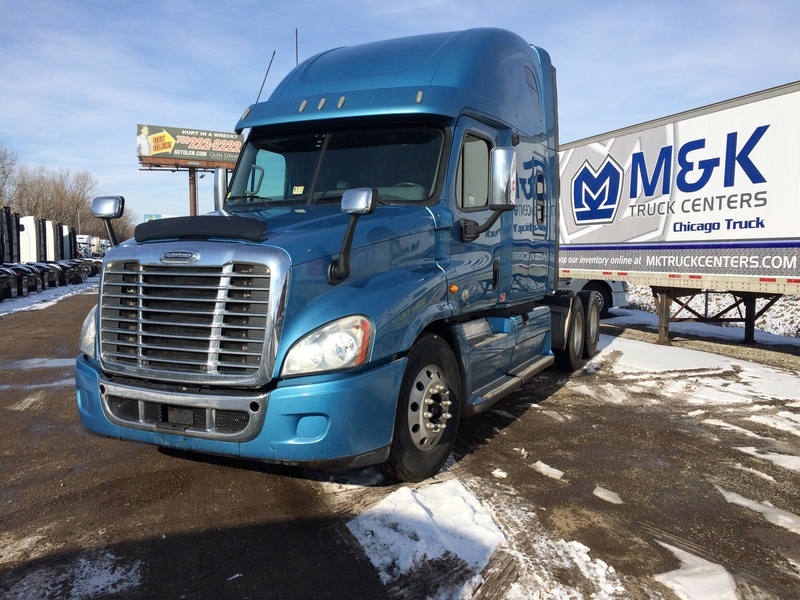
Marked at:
<point>364,476</point>
<point>306,558</point>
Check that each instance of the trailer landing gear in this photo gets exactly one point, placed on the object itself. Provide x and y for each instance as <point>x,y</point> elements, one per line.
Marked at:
<point>742,309</point>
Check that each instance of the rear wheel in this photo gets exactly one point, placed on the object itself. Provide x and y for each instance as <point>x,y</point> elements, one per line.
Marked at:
<point>428,412</point>
<point>571,358</point>
<point>591,322</point>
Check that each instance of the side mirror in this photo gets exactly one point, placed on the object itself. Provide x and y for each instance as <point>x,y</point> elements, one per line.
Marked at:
<point>355,202</point>
<point>107,208</point>
<point>503,194</point>
<point>220,187</point>
<point>359,201</point>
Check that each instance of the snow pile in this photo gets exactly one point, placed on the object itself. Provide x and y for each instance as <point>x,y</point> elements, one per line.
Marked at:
<point>441,524</point>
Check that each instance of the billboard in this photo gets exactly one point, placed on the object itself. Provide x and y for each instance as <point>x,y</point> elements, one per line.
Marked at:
<point>159,146</point>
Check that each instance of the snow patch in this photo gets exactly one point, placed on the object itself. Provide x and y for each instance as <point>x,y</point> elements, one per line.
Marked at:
<point>776,516</point>
<point>441,522</point>
<point>783,421</point>
<point>554,415</point>
<point>583,389</point>
<point>607,495</point>
<point>786,461</point>
<point>89,576</point>
<point>698,579</point>
<point>47,298</point>
<point>547,470</point>
<point>763,476</point>
<point>729,427</point>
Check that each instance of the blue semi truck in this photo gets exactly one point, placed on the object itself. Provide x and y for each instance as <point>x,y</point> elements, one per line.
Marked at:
<point>382,263</point>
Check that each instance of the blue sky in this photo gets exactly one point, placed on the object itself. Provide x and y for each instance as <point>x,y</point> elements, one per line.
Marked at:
<point>76,76</point>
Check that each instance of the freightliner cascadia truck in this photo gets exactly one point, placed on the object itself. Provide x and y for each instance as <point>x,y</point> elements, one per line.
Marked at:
<point>382,263</point>
<point>705,200</point>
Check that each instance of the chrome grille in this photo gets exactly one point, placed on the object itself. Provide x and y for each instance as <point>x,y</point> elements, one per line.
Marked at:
<point>187,321</point>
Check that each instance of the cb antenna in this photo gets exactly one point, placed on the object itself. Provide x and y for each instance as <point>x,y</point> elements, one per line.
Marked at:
<point>265,76</point>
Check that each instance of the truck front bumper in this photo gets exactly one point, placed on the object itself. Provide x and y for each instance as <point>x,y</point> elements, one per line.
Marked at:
<point>345,421</point>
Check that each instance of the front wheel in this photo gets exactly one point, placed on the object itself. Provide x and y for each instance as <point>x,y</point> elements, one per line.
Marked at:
<point>428,412</point>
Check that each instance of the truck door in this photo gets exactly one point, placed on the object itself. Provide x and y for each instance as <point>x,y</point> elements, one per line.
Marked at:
<point>482,265</point>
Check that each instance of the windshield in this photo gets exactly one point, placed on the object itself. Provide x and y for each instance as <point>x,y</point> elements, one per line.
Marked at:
<point>317,167</point>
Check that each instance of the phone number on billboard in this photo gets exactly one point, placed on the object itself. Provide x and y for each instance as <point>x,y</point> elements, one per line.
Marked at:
<point>204,143</point>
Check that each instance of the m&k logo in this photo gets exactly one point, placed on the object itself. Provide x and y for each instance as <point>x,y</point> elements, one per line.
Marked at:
<point>596,193</point>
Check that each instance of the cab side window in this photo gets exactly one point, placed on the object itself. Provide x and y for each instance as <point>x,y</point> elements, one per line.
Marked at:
<point>472,179</point>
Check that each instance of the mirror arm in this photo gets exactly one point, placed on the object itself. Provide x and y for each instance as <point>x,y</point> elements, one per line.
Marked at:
<point>470,230</point>
<point>339,269</point>
<point>112,237</point>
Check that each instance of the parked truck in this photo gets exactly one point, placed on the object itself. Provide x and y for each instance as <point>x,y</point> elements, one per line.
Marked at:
<point>85,244</point>
<point>382,263</point>
<point>703,201</point>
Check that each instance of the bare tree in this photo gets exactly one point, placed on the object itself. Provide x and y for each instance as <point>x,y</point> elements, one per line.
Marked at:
<point>8,165</point>
<point>54,195</point>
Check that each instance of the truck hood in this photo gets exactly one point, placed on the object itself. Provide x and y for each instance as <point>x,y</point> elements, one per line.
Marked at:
<point>305,233</point>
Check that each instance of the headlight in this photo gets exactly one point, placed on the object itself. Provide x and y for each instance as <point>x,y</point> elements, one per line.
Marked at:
<point>339,345</point>
<point>88,333</point>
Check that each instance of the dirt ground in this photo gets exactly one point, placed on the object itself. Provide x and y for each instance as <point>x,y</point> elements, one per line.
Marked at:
<point>203,527</point>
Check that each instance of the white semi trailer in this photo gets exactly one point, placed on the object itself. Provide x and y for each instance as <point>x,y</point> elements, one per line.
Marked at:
<point>707,200</point>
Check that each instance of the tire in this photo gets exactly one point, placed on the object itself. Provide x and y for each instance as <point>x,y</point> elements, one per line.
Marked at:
<point>591,322</point>
<point>423,439</point>
<point>571,358</point>
<point>604,297</point>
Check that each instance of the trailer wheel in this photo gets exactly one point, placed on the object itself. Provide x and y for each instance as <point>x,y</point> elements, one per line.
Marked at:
<point>428,412</point>
<point>571,358</point>
<point>591,322</point>
<point>604,297</point>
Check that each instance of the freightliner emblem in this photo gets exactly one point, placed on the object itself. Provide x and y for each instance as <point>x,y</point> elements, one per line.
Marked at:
<point>180,257</point>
